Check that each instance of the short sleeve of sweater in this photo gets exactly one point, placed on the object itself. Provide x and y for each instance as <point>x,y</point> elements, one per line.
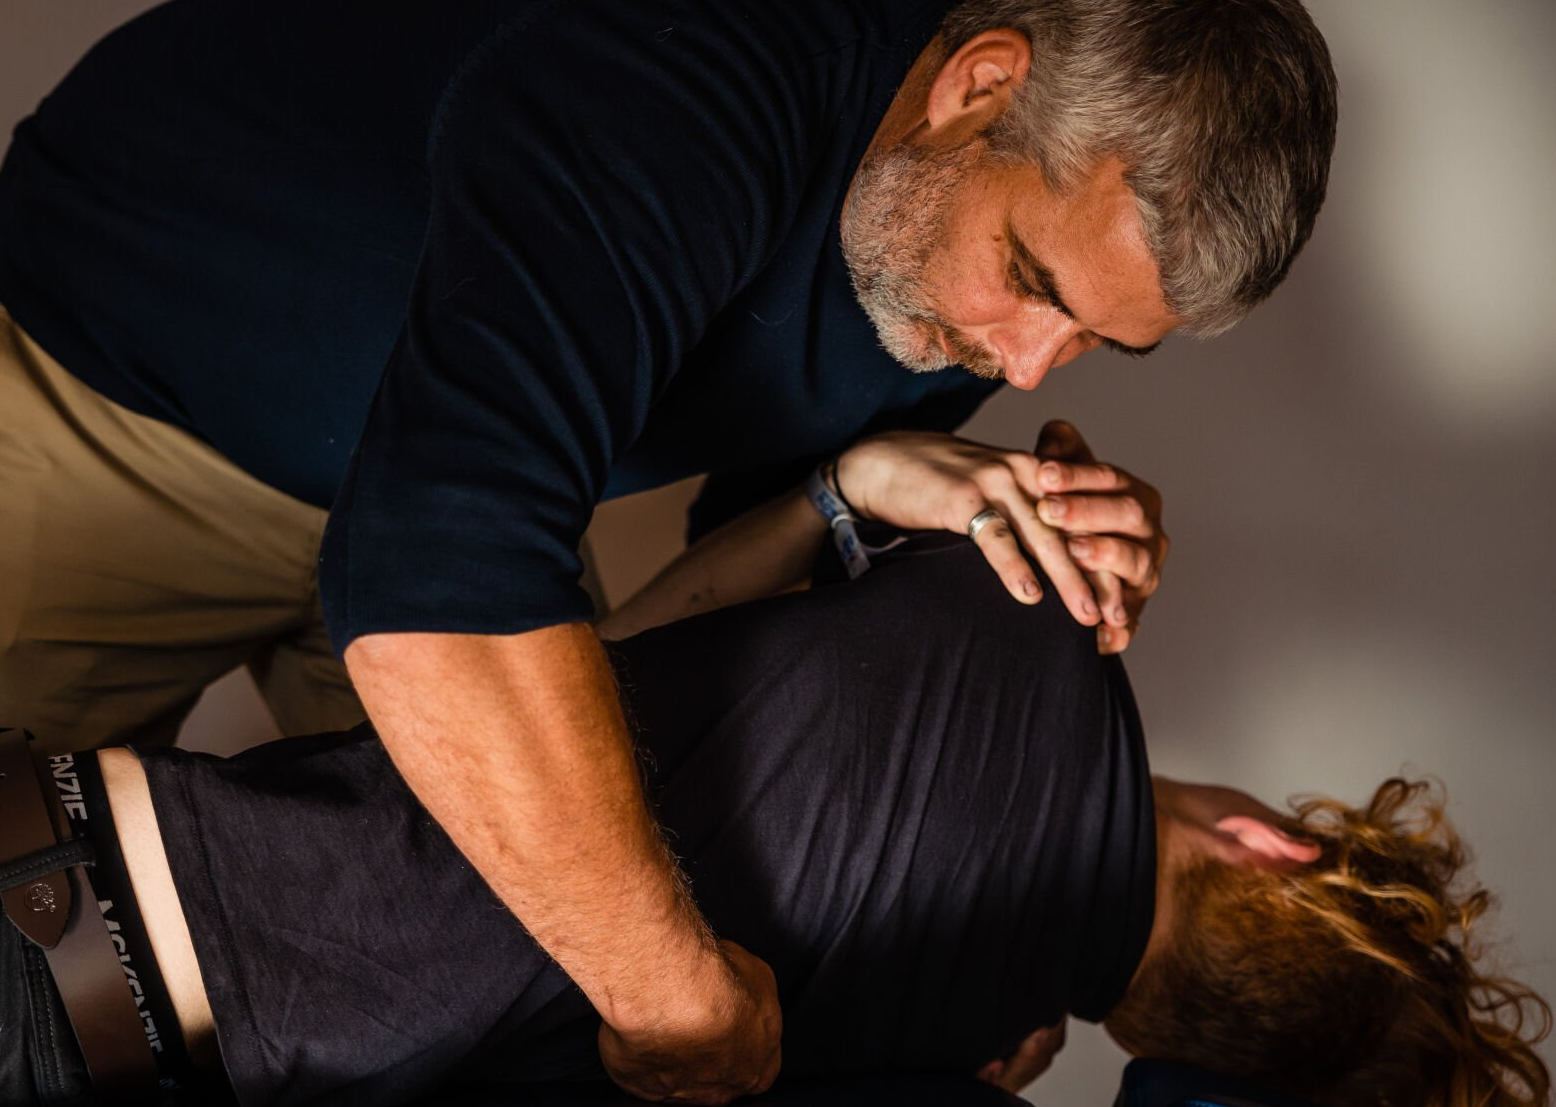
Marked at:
<point>604,178</point>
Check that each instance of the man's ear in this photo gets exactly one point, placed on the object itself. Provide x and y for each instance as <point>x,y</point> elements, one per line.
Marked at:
<point>1247,840</point>
<point>975,84</point>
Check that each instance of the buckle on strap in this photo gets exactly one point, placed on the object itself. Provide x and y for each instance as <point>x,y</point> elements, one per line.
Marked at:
<point>47,900</point>
<point>76,851</point>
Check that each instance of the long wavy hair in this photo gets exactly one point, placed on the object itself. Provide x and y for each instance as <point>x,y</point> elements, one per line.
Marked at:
<point>1352,982</point>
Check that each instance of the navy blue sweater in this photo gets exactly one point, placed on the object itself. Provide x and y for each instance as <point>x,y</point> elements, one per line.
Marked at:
<point>463,270</point>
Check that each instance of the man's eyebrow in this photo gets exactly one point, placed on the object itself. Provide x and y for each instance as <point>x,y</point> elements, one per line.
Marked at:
<point>1042,280</point>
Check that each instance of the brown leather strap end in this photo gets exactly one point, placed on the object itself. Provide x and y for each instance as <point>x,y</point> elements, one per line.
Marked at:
<point>59,912</point>
<point>41,908</point>
<point>97,998</point>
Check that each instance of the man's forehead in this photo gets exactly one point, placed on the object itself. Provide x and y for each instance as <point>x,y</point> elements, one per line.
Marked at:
<point>1093,247</point>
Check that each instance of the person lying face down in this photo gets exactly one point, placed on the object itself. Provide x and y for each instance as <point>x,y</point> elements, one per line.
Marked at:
<point>928,808</point>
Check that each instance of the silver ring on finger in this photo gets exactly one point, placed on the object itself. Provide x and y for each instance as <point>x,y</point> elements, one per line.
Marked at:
<point>982,519</point>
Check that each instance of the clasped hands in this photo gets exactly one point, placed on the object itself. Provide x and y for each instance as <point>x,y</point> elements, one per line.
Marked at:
<point>1095,529</point>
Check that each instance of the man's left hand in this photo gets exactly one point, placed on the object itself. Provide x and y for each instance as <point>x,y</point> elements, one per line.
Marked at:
<point>1113,524</point>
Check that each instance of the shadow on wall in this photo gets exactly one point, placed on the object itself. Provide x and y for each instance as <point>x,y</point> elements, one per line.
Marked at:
<point>1357,477</point>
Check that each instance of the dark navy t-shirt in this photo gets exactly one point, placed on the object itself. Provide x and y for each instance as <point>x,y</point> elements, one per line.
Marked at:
<point>926,806</point>
<point>464,269</point>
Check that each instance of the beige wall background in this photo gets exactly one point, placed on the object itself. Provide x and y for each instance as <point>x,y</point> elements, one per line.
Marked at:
<point>1358,478</point>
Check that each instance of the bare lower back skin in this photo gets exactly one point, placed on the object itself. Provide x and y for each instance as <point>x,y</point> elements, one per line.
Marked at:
<point>140,840</point>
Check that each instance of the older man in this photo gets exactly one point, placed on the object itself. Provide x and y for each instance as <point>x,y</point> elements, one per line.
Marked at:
<point>463,270</point>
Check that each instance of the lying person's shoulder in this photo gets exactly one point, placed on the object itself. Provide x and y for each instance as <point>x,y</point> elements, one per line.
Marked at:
<point>939,585</point>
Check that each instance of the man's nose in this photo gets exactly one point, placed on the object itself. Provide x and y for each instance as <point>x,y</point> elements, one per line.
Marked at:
<point>1030,348</point>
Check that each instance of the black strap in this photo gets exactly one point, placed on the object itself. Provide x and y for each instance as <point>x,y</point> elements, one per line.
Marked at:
<point>25,870</point>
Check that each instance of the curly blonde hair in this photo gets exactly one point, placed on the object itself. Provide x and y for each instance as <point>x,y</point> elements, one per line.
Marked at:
<point>1352,981</point>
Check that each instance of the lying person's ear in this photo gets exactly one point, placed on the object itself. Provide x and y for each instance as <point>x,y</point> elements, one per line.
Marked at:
<point>1252,841</point>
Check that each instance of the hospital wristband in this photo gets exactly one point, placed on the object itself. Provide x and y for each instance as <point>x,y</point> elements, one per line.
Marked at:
<point>840,519</point>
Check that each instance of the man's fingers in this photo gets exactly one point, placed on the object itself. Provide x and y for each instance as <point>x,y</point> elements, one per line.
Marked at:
<point>1060,440</point>
<point>762,985</point>
<point>1004,556</point>
<point>1129,561</point>
<point>1092,476</point>
<point>1109,591</point>
<point>1121,600</point>
<point>1115,639</point>
<point>1097,515</point>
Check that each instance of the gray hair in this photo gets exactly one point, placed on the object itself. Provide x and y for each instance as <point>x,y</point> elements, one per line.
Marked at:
<point>1222,111</point>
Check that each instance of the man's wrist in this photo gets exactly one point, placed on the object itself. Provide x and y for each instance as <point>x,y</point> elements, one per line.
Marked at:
<point>675,957</point>
<point>689,999</point>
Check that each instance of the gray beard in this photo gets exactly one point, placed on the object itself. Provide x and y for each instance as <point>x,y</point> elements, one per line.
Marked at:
<point>894,220</point>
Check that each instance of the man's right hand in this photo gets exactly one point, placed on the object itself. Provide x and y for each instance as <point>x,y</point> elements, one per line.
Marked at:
<point>725,1046</point>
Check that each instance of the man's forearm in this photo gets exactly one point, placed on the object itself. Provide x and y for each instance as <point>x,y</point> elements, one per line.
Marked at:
<point>532,724</point>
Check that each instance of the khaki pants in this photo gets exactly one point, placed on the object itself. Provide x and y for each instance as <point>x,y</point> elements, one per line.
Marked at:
<point>137,565</point>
